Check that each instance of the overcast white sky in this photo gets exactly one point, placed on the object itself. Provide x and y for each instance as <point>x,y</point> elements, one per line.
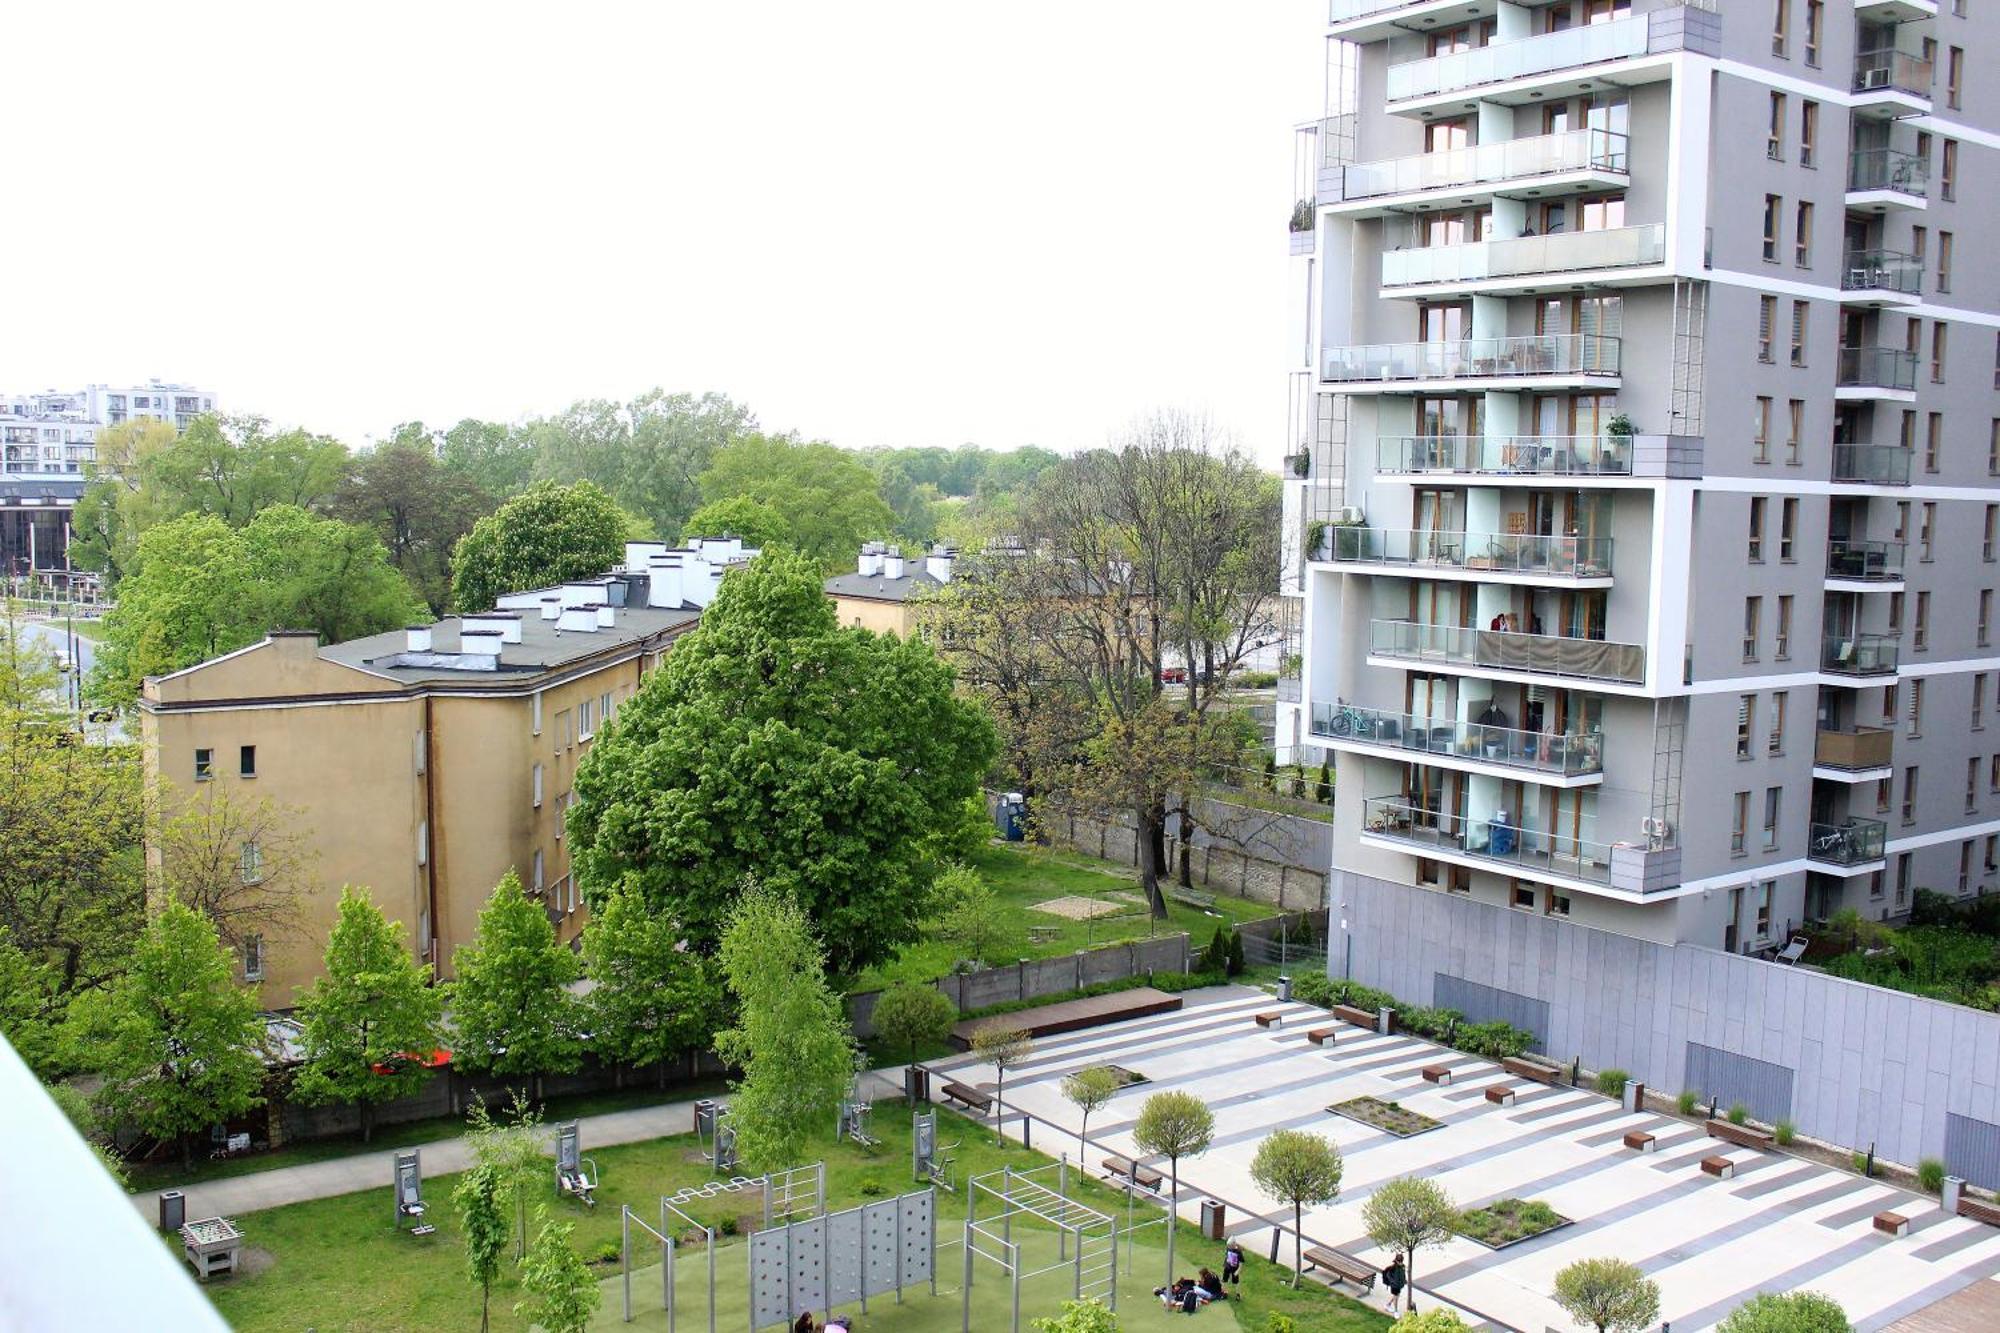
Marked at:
<point>886,222</point>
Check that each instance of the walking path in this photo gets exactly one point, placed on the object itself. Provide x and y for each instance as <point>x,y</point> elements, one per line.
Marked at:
<point>370,1170</point>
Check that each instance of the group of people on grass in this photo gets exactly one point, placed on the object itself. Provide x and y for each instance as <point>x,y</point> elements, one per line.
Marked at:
<point>1189,1294</point>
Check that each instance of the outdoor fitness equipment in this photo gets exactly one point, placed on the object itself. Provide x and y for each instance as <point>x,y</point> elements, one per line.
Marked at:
<point>930,1161</point>
<point>795,1194</point>
<point>1086,1240</point>
<point>716,1136</point>
<point>854,1124</point>
<point>408,1177</point>
<point>576,1174</point>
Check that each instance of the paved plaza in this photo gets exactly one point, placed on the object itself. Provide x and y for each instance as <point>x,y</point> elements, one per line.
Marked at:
<point>1780,1224</point>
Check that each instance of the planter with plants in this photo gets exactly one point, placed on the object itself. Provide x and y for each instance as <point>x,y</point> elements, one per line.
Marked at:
<point>1386,1116</point>
<point>1300,464</point>
<point>1316,539</point>
<point>1508,1222</point>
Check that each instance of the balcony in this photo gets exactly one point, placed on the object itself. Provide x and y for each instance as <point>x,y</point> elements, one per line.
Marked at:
<point>1572,561</point>
<point>1871,465</point>
<point>1851,846</point>
<point>1618,868</point>
<point>1881,277</point>
<point>1854,756</point>
<point>1889,11</point>
<point>1584,360</point>
<point>1891,84</point>
<point>1373,20</point>
<point>1543,166</point>
<point>1691,27</point>
<point>1875,373</point>
<point>1534,655</point>
<point>1859,654</point>
<point>1532,258</point>
<point>1884,178</point>
<point>1573,457</point>
<point>1871,563</point>
<point>1410,738</point>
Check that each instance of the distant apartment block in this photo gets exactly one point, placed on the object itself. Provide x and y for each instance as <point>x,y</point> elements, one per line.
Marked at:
<point>1644,504</point>
<point>883,591</point>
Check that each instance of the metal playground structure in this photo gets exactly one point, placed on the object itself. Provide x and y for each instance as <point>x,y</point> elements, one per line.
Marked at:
<point>1086,1239</point>
<point>930,1160</point>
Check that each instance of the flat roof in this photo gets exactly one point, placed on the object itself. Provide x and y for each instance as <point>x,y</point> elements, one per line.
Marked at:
<point>880,587</point>
<point>543,648</point>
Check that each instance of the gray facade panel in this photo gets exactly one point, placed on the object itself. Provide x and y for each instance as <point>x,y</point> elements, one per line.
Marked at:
<point>1485,1004</point>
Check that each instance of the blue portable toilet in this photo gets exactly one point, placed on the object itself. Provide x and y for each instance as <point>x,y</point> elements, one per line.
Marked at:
<point>1012,817</point>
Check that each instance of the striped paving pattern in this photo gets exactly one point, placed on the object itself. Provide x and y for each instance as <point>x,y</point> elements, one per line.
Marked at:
<point>1780,1223</point>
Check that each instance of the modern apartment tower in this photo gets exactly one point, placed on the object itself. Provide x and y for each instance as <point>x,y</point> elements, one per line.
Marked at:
<point>1646,504</point>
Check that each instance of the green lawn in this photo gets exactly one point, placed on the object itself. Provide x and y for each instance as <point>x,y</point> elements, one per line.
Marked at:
<point>1023,876</point>
<point>340,1264</point>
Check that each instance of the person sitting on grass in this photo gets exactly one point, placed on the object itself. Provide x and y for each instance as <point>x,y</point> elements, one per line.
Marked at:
<point>1210,1286</point>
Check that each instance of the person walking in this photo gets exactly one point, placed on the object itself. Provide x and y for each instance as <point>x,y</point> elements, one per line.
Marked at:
<point>1395,1277</point>
<point>1232,1264</point>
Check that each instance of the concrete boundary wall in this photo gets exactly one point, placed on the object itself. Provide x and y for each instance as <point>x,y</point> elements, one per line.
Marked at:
<point>1043,976</point>
<point>1868,1065</point>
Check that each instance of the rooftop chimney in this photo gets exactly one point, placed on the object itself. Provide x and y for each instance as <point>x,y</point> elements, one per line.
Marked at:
<point>606,616</point>
<point>664,581</point>
<point>892,563</point>
<point>870,563</point>
<point>481,645</point>
<point>938,563</point>
<point>507,624</point>
<point>579,619</point>
<point>419,640</point>
<point>637,554</point>
<point>551,608</point>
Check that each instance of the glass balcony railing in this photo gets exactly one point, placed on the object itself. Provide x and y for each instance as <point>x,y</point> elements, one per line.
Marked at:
<point>1852,842</point>
<point>1871,464</point>
<point>1861,748</point>
<point>1889,70</point>
<point>1527,455</point>
<point>1527,256</point>
<point>1527,56</point>
<point>1488,164</point>
<point>1882,271</point>
<point>1505,650</point>
<point>1532,851</point>
<point>1572,755</point>
<point>1859,654</point>
<point>1501,553</point>
<point>1876,368</point>
<point>1473,358</point>
<point>1888,169</point>
<point>1867,562</point>
<point>1347,10</point>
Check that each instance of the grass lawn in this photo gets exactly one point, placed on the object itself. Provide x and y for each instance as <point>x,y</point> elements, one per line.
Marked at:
<point>1023,876</point>
<point>340,1263</point>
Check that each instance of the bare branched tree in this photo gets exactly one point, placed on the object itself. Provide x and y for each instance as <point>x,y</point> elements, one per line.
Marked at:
<point>240,862</point>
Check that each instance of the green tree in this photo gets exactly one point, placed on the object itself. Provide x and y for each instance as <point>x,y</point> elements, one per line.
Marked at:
<point>1790,1312</point>
<point>1301,1168</point>
<point>199,844</point>
<point>826,495</point>
<point>775,744</point>
<point>562,1294</point>
<point>369,1018</point>
<point>653,1001</point>
<point>791,1038</point>
<point>545,535</point>
<point>487,453</point>
<point>1082,1316</point>
<point>755,522</point>
<point>417,508</point>
<point>1003,1046</point>
<point>191,595</point>
<point>1174,1125</point>
<point>510,1006</point>
<point>970,920</point>
<point>176,1039</point>
<point>1406,1215</point>
<point>647,454</point>
<point>482,1225</point>
<point>515,1150</point>
<point>117,506</point>
<point>30,1011</point>
<point>236,467</point>
<point>1429,1321</point>
<point>1611,1295</point>
<point>910,1015</point>
<point>1086,1090</point>
<point>324,575</point>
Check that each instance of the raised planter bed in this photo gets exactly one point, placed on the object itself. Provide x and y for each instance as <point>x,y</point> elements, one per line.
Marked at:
<point>1743,1136</point>
<point>1386,1116</point>
<point>1508,1222</point>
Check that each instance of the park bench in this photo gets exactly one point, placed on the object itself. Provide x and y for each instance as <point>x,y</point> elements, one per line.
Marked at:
<point>1321,1036</point>
<point>1719,1167</point>
<point>1522,1067</point>
<point>971,1098</point>
<point>1892,1224</point>
<point>1044,934</point>
<point>1361,1018</point>
<point>1342,1265</point>
<point>1193,898</point>
<point>1978,1210</point>
<point>1743,1136</point>
<point>1500,1096</point>
<point>1270,1018</point>
<point>1439,1074</point>
<point>1145,1177</point>
<point>1639,1140</point>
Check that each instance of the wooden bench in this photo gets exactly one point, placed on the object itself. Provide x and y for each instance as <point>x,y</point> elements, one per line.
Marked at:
<point>1500,1096</point>
<point>1979,1210</point>
<point>1719,1167</point>
<point>1044,934</point>
<point>1640,1141</point>
<point>1192,898</point>
<point>1892,1224</point>
<point>1343,1266</point>
<point>1534,1069</point>
<point>1361,1018</point>
<point>971,1098</point>
<point>1270,1018</point>
<point>1439,1074</point>
<point>1145,1177</point>
<point>1743,1136</point>
<point>1321,1036</point>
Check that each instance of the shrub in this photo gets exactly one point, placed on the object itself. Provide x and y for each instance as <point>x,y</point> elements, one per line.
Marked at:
<point>1497,1040</point>
<point>1611,1082</point>
<point>1428,1321</point>
<point>1930,1175</point>
<point>870,1188</point>
<point>1739,1114</point>
<point>1323,789</point>
<point>1687,1101</point>
<point>729,1225</point>
<point>1280,1323</point>
<point>1173,983</point>
<point>1793,1312</point>
<point>1859,1160</point>
<point>1363,997</point>
<point>610,1252</point>
<point>1215,958</point>
<point>1784,1132</point>
<point>1313,989</point>
<point>1236,963</point>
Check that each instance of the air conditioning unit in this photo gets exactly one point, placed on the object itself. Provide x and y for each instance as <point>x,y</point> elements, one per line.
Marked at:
<point>1351,514</point>
<point>1873,79</point>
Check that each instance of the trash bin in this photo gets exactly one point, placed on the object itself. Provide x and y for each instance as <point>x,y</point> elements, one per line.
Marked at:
<point>917,1083</point>
<point>1284,988</point>
<point>1211,1218</point>
<point>173,1210</point>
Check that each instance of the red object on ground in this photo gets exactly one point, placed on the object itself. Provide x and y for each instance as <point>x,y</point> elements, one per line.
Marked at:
<point>437,1059</point>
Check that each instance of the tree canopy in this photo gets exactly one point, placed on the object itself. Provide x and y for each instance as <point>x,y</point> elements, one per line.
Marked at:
<point>510,1006</point>
<point>776,744</point>
<point>1300,1168</point>
<point>1611,1295</point>
<point>652,1000</point>
<point>1787,1312</point>
<point>416,506</point>
<point>757,523</point>
<point>825,495</point>
<point>547,534</point>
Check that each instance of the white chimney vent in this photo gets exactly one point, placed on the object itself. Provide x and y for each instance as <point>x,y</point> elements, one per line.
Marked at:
<point>638,554</point>
<point>870,563</point>
<point>507,624</point>
<point>551,608</point>
<point>663,587</point>
<point>419,638</point>
<point>606,616</point>
<point>938,563</point>
<point>892,563</point>
<point>578,619</point>
<point>479,644</point>
<point>582,594</point>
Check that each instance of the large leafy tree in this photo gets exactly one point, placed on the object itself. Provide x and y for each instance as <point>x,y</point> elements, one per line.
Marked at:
<point>176,1040</point>
<point>827,496</point>
<point>118,505</point>
<point>370,1018</point>
<point>510,1006</point>
<point>491,455</point>
<point>324,575</point>
<point>776,744</point>
<point>190,597</point>
<point>416,506</point>
<point>755,522</point>
<point>1300,1168</point>
<point>236,467</point>
<point>545,535</point>
<point>29,1007</point>
<point>791,1038</point>
<point>652,1001</point>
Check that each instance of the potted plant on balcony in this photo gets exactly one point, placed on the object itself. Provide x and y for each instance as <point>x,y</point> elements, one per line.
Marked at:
<point>1300,463</point>
<point>1302,215</point>
<point>1316,539</point>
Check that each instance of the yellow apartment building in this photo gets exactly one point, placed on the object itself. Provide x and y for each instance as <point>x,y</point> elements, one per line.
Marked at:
<point>882,592</point>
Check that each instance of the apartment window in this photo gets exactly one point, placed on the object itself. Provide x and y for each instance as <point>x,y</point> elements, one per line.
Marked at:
<point>1765,892</point>
<point>250,862</point>
<point>1920,631</point>
<point>246,761</point>
<point>1984,625</point>
<point>1902,879</point>
<point>422,747</point>
<point>1993,438</point>
<point>1944,261</point>
<point>1788,529</point>
<point>1993,774</point>
<point>1947,171</point>
<point>1757,506</point>
<point>1773,206</point>
<point>1774,137</point>
<point>1808,132</point>
<point>586,725</point>
<point>1802,236</point>
<point>1739,821</point>
<point>1965,864</point>
<point>1910,794</point>
<point>1781,27</point>
<point>423,842</point>
<point>1767,331</point>
<point>1815,27</point>
<point>1938,332</point>
<point>1774,798</point>
<point>1902,520</point>
<point>1761,423</point>
<point>1954,72</point>
<point>603,708</point>
<point>1978,700</point>
<point>1972,785</point>
<point>1926,527</point>
<point>1799,333</point>
<point>1753,610</point>
<point>253,957</point>
<point>1746,721</point>
<point>1798,430</point>
<point>1991,858</point>
<point>1782,649</point>
<point>535,782</point>
<point>1906,431</point>
<point>562,805</point>
<point>1884,797</point>
<point>1895,614</point>
<point>1777,741</point>
<point>562,732</point>
<point>535,714</point>
<point>1987,533</point>
<point>1933,440</point>
<point>204,765</point>
<point>1524,896</point>
<point>539,882</point>
<point>1916,708</point>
